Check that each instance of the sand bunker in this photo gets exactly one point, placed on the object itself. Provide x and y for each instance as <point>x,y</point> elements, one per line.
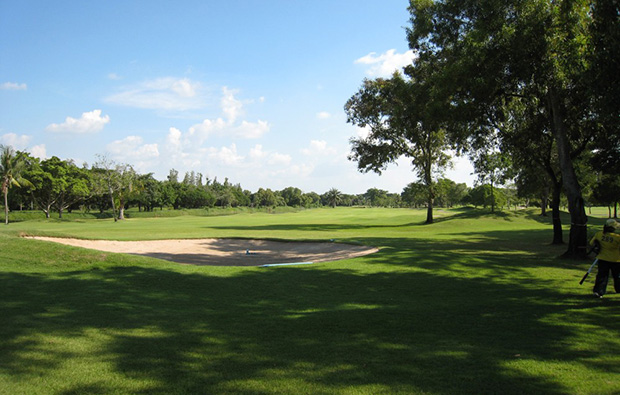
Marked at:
<point>225,252</point>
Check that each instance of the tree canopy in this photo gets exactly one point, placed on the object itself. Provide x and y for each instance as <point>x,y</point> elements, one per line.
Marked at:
<point>490,55</point>
<point>402,121</point>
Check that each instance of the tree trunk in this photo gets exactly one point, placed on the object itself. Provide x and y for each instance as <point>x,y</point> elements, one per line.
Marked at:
<point>544,199</point>
<point>428,180</point>
<point>6,205</point>
<point>113,204</point>
<point>492,198</point>
<point>121,209</point>
<point>558,237</point>
<point>429,212</point>
<point>577,243</point>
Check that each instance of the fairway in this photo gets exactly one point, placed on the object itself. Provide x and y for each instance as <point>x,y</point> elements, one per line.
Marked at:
<point>475,303</point>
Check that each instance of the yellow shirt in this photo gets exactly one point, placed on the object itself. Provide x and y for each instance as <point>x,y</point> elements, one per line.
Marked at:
<point>610,246</point>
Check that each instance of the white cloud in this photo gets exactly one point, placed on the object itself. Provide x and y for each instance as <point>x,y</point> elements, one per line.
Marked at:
<point>133,147</point>
<point>89,122</point>
<point>232,109</point>
<point>15,141</point>
<point>114,77</point>
<point>170,94</point>
<point>251,130</point>
<point>13,86</point>
<point>207,128</point>
<point>39,151</point>
<point>318,148</point>
<point>385,64</point>
<point>257,152</point>
<point>277,159</point>
<point>173,139</point>
<point>226,155</point>
<point>132,150</point>
<point>21,143</point>
<point>303,170</point>
<point>323,115</point>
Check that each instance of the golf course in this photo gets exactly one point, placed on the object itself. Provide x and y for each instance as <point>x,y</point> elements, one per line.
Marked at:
<point>475,303</point>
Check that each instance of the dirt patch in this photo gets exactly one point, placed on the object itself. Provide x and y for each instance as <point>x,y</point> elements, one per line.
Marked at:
<point>225,252</point>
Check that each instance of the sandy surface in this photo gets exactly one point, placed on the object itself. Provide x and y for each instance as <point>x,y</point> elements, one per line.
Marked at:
<point>225,252</point>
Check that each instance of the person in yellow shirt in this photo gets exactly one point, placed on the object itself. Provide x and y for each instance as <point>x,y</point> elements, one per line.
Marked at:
<point>608,257</point>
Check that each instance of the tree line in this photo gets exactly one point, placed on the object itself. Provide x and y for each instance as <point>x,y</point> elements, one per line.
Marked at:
<point>56,185</point>
<point>527,89</point>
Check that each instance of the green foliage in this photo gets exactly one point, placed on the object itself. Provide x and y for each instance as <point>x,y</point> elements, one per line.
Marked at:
<point>487,196</point>
<point>267,198</point>
<point>12,165</point>
<point>542,99</point>
<point>332,197</point>
<point>607,190</point>
<point>403,121</point>
<point>292,196</point>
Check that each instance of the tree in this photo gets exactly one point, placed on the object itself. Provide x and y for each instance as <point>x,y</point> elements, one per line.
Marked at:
<point>377,197</point>
<point>148,192</point>
<point>267,198</point>
<point>118,178</point>
<point>60,183</point>
<point>492,169</point>
<point>333,197</point>
<point>456,194</point>
<point>414,194</point>
<point>12,165</point>
<point>485,196</point>
<point>43,187</point>
<point>310,199</point>
<point>607,192</point>
<point>482,63</point>
<point>604,55</point>
<point>292,196</point>
<point>525,134</point>
<point>403,121</point>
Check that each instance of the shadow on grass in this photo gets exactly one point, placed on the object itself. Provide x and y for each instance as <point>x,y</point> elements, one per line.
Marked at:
<point>421,316</point>
<point>286,330</point>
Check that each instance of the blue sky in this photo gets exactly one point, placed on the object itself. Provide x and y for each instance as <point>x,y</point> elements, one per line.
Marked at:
<point>249,90</point>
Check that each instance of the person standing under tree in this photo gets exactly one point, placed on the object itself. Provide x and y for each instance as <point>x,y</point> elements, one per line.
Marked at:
<point>608,257</point>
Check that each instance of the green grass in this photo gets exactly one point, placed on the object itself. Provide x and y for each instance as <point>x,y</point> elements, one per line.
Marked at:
<point>473,304</point>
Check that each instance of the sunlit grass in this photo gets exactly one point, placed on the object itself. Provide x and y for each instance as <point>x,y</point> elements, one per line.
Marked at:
<point>475,303</point>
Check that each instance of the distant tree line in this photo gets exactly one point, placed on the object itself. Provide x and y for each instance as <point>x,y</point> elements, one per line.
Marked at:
<point>56,185</point>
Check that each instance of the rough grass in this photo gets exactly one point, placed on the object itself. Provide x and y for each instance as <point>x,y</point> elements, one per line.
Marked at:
<point>475,303</point>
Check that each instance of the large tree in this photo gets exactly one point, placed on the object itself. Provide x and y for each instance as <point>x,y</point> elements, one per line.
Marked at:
<point>12,165</point>
<point>488,53</point>
<point>402,120</point>
<point>603,81</point>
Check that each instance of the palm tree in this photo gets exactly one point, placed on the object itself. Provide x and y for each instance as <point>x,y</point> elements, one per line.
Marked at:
<point>333,197</point>
<point>11,168</point>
